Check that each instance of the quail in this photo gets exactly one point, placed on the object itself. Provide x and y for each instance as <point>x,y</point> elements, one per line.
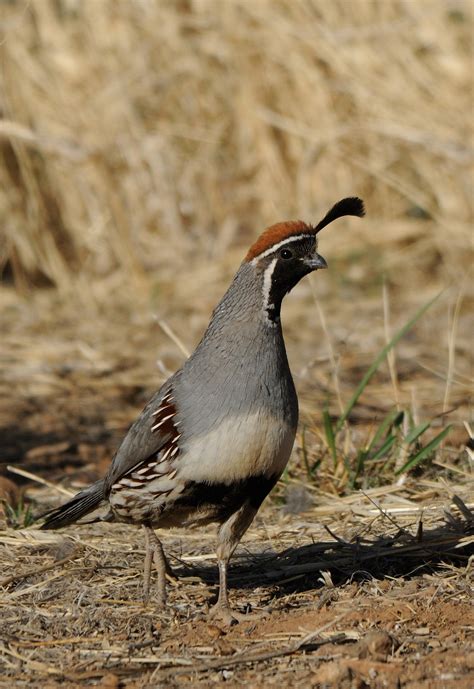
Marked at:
<point>212,442</point>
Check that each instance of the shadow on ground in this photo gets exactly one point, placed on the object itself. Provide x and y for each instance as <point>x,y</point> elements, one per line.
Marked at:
<point>337,562</point>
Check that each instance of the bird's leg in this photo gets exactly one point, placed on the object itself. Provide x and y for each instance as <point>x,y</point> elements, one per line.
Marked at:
<point>223,599</point>
<point>228,537</point>
<point>147,566</point>
<point>154,550</point>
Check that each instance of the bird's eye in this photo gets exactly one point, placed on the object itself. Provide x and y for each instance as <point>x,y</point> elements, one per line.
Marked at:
<point>286,253</point>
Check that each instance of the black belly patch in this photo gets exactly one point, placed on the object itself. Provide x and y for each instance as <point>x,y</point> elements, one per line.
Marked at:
<point>224,499</point>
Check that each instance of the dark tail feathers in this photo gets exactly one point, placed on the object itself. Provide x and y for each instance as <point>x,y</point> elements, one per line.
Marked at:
<point>81,504</point>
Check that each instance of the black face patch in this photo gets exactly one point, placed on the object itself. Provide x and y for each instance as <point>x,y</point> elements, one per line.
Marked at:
<point>288,269</point>
<point>286,275</point>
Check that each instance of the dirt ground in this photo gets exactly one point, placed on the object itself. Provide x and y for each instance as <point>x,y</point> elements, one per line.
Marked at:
<point>351,590</point>
<point>386,609</point>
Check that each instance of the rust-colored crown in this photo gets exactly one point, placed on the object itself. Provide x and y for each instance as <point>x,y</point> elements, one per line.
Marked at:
<point>284,230</point>
<point>277,233</point>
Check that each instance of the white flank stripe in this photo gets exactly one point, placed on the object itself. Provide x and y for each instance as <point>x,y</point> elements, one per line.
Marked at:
<point>160,423</point>
<point>161,408</point>
<point>165,456</point>
<point>129,483</point>
<point>146,468</point>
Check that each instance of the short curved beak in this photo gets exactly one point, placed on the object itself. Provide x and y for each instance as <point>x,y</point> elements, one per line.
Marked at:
<point>316,262</point>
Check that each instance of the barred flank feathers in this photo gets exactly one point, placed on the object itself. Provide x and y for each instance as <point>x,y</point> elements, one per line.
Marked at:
<point>84,502</point>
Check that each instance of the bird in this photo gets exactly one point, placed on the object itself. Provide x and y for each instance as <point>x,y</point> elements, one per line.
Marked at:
<point>213,441</point>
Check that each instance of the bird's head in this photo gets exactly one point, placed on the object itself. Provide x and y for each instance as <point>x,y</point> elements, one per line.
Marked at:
<point>287,251</point>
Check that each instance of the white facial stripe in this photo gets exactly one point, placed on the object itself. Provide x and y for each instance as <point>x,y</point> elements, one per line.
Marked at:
<point>293,238</point>
<point>267,282</point>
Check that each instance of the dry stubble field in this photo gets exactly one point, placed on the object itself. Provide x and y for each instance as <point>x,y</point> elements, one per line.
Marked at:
<point>143,145</point>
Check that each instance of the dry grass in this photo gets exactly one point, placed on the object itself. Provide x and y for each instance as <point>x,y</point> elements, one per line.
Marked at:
<point>142,141</point>
<point>139,134</point>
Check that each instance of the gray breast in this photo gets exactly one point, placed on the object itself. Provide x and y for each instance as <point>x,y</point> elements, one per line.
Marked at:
<point>237,406</point>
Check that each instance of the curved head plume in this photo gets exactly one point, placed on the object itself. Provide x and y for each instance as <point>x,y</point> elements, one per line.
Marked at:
<point>282,231</point>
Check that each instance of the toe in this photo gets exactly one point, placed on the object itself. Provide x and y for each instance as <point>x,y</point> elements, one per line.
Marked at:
<point>230,617</point>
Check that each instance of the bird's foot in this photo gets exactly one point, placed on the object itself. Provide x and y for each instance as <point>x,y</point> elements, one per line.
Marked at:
<point>159,600</point>
<point>225,614</point>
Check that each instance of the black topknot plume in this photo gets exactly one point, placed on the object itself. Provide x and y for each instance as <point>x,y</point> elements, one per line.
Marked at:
<point>350,206</point>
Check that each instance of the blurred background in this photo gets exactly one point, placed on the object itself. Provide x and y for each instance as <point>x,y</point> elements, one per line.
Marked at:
<point>145,144</point>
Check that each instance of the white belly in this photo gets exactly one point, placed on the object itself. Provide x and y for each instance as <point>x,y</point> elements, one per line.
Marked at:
<point>238,448</point>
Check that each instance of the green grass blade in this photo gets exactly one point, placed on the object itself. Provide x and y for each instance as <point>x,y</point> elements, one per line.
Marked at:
<point>415,459</point>
<point>416,432</point>
<point>379,358</point>
<point>391,419</point>
<point>330,436</point>
<point>384,448</point>
<point>359,467</point>
<point>305,452</point>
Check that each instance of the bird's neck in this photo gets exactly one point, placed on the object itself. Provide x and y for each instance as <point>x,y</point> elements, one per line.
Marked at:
<point>241,320</point>
<point>245,302</point>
